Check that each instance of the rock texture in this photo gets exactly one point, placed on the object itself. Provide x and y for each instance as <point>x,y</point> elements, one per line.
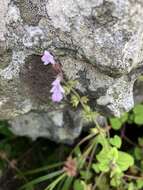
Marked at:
<point>97,42</point>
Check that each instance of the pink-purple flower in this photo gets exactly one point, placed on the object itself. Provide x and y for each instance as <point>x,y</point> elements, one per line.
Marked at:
<point>47,58</point>
<point>57,90</point>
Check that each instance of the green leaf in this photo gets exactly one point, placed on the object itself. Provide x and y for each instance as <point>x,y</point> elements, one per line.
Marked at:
<point>86,175</point>
<point>138,119</point>
<point>124,118</point>
<point>107,155</point>
<point>67,90</point>
<point>116,124</point>
<point>115,181</point>
<point>124,160</point>
<point>74,101</point>
<point>131,186</point>
<point>84,99</point>
<point>79,185</point>
<point>67,183</point>
<point>72,83</point>
<point>96,168</point>
<point>131,118</point>
<point>138,153</point>
<point>105,158</point>
<point>140,141</point>
<point>115,141</point>
<point>88,114</point>
<point>94,130</point>
<point>138,114</point>
<point>101,139</point>
<point>139,183</point>
<point>138,109</point>
<point>102,183</point>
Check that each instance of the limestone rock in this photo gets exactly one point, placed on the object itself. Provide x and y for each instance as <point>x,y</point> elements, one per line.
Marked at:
<point>97,42</point>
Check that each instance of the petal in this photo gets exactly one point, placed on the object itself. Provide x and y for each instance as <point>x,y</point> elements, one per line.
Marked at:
<point>57,97</point>
<point>47,58</point>
<point>56,82</point>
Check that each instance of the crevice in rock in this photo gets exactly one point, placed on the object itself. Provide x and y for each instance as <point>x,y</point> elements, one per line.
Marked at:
<point>36,79</point>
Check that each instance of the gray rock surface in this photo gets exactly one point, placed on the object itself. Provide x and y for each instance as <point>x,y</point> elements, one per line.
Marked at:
<point>98,42</point>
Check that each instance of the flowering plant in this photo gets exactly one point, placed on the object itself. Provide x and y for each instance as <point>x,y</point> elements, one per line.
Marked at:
<point>57,90</point>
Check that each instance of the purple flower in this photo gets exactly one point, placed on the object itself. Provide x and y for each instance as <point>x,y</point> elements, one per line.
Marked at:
<point>47,58</point>
<point>57,90</point>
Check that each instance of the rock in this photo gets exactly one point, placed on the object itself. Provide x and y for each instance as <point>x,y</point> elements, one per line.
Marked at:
<point>99,43</point>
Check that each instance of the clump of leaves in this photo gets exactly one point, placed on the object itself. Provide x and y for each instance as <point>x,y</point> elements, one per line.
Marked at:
<point>100,164</point>
<point>134,116</point>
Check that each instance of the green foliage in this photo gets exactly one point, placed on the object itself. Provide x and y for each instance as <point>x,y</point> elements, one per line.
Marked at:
<point>117,123</point>
<point>88,114</point>
<point>138,114</point>
<point>139,184</point>
<point>74,101</point>
<point>104,159</point>
<point>69,86</point>
<point>116,141</point>
<point>107,164</point>
<point>79,184</point>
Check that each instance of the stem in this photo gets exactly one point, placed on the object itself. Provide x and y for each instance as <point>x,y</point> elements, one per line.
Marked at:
<point>82,103</point>
<point>82,141</point>
<point>90,161</point>
<point>126,138</point>
<point>52,185</point>
<point>42,179</point>
<point>129,141</point>
<point>15,168</point>
<point>84,156</point>
<point>45,168</point>
<point>133,177</point>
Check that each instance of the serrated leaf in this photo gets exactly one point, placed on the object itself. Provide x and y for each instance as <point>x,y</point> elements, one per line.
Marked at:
<point>115,181</point>
<point>84,99</point>
<point>116,124</point>
<point>106,157</point>
<point>125,160</point>
<point>74,101</point>
<point>88,114</point>
<point>67,90</point>
<point>96,168</point>
<point>72,83</point>
<point>116,141</point>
